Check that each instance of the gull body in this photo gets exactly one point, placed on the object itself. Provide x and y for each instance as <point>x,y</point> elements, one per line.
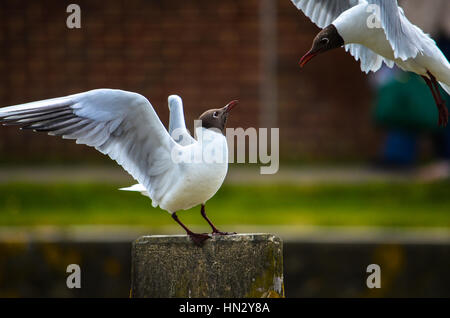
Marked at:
<point>377,32</point>
<point>193,183</point>
<point>197,182</point>
<point>352,26</point>
<point>176,174</point>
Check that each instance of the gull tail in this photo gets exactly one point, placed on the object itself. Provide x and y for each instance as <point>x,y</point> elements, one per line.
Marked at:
<point>137,188</point>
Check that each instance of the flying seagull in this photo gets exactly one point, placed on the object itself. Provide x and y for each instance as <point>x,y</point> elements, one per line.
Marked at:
<point>175,170</point>
<point>377,32</point>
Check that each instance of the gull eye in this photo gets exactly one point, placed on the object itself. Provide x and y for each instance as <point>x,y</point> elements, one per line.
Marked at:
<point>324,41</point>
<point>216,114</point>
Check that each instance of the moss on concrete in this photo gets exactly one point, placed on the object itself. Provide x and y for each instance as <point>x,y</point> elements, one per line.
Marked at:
<point>244,265</point>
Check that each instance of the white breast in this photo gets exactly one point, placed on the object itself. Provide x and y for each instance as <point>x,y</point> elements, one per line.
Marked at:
<point>202,177</point>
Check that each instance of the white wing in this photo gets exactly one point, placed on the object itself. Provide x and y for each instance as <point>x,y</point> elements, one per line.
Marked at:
<point>370,61</point>
<point>177,124</point>
<point>177,130</point>
<point>406,39</point>
<point>323,12</point>
<point>118,123</point>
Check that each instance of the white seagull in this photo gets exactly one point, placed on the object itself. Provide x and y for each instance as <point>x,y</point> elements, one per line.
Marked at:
<point>377,31</point>
<point>177,173</point>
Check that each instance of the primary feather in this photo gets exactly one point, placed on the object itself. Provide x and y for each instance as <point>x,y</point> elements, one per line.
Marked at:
<point>120,124</point>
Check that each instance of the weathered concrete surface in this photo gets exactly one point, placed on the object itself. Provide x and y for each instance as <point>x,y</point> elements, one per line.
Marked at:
<point>325,262</point>
<point>242,265</point>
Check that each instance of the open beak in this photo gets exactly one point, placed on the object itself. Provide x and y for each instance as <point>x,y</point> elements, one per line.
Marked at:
<point>308,56</point>
<point>230,105</point>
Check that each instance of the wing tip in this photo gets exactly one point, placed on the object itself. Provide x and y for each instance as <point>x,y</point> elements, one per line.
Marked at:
<point>174,100</point>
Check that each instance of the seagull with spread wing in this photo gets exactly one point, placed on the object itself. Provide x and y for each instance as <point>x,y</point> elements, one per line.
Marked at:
<point>377,32</point>
<point>175,170</point>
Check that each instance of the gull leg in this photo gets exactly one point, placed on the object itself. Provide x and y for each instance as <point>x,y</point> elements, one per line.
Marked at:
<point>440,103</point>
<point>443,111</point>
<point>197,238</point>
<point>215,230</point>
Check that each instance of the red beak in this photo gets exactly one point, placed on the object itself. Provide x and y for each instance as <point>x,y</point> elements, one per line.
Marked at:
<point>307,57</point>
<point>231,105</point>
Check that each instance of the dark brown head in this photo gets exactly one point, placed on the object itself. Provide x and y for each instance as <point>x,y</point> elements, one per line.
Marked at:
<point>217,118</point>
<point>326,40</point>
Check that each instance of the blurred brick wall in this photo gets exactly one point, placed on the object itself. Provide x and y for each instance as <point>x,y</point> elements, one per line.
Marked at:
<point>206,51</point>
<point>325,107</point>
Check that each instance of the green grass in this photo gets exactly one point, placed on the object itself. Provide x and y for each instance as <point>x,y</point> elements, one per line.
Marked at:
<point>399,204</point>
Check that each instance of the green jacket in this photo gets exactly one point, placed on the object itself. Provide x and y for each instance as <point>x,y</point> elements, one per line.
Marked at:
<point>406,102</point>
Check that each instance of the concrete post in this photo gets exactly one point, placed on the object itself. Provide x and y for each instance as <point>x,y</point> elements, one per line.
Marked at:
<point>242,265</point>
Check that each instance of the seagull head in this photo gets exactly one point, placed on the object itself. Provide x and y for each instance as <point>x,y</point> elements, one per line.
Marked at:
<point>217,118</point>
<point>326,40</point>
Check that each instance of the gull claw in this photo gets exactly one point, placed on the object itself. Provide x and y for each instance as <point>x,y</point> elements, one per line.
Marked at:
<point>199,239</point>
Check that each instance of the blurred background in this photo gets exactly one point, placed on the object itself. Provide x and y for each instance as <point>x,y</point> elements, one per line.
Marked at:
<point>364,168</point>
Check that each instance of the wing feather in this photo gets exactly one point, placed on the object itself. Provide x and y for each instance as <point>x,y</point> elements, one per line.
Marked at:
<point>120,124</point>
<point>177,124</point>
<point>323,12</point>
<point>406,39</point>
<point>370,61</point>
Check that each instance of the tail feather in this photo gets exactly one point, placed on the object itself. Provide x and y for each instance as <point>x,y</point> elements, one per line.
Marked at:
<point>136,188</point>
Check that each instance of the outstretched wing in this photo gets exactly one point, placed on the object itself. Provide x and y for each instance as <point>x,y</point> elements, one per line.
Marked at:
<point>406,39</point>
<point>323,12</point>
<point>177,124</point>
<point>118,123</point>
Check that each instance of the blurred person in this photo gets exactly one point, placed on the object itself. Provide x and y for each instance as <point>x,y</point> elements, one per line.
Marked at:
<point>402,108</point>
